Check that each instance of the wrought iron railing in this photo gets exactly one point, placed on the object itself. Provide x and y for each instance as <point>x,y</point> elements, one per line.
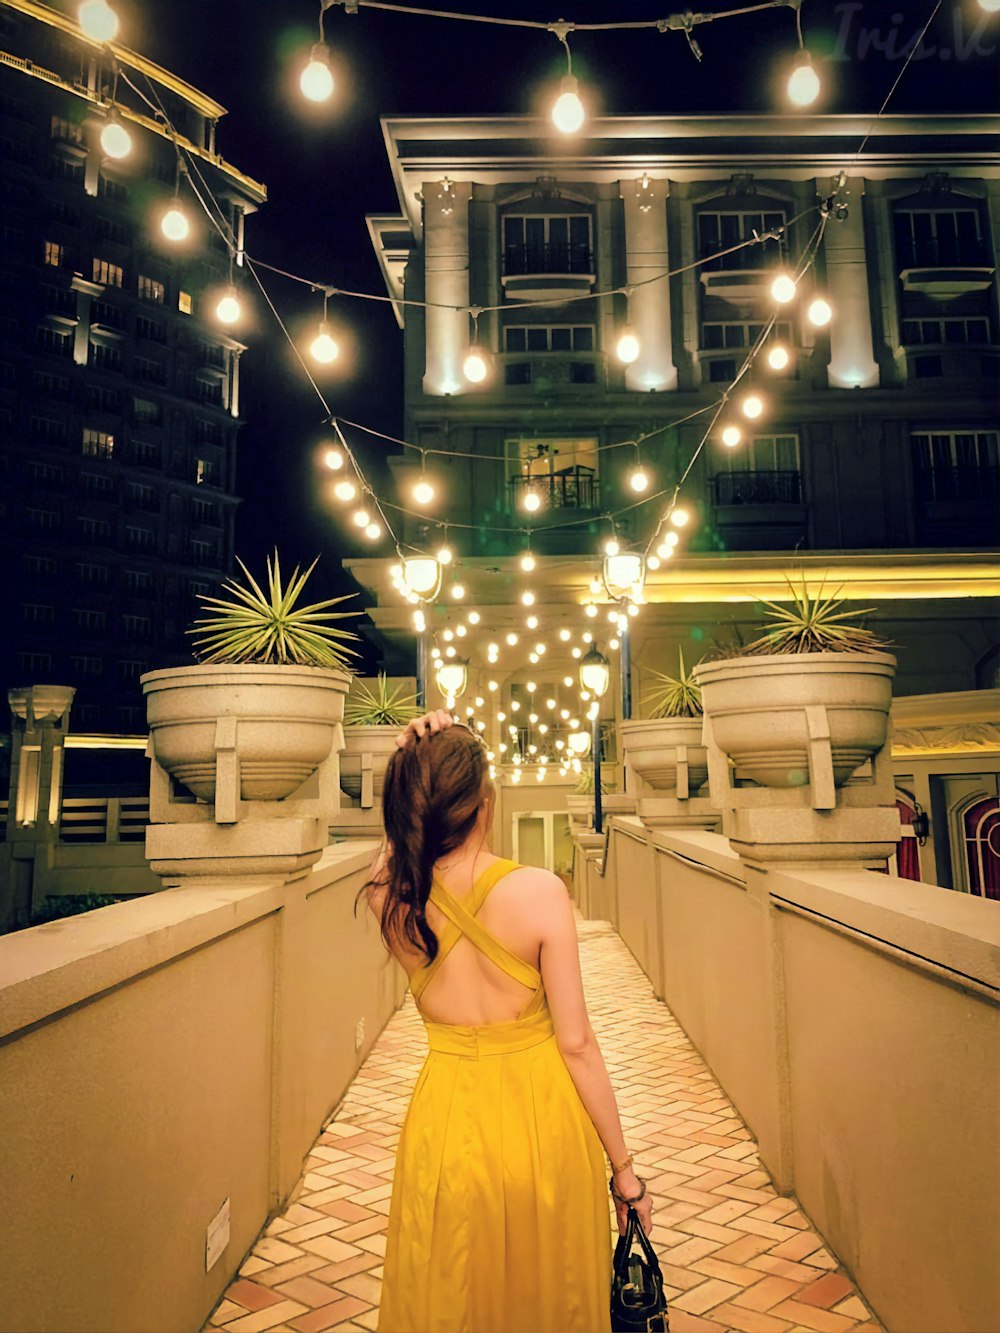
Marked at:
<point>758,488</point>
<point>569,488</point>
<point>521,260</point>
<point>957,483</point>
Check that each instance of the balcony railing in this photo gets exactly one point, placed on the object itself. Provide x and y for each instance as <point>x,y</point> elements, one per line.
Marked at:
<point>521,260</point>
<point>957,483</point>
<point>569,488</point>
<point>764,255</point>
<point>758,488</point>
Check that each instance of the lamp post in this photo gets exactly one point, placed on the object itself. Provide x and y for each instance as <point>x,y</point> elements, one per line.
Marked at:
<point>595,675</point>
<point>624,575</point>
<point>421,575</point>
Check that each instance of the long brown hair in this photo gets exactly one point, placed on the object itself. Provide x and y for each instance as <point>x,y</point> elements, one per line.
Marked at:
<point>435,788</point>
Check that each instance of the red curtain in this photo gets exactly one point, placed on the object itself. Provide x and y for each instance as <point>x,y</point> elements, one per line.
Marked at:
<point>982,848</point>
<point>907,849</point>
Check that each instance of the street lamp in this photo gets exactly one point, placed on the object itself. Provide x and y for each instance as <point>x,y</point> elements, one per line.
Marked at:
<point>595,676</point>
<point>421,576</point>
<point>452,678</point>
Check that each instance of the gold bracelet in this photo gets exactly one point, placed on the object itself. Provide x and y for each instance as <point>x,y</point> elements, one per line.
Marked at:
<point>621,1166</point>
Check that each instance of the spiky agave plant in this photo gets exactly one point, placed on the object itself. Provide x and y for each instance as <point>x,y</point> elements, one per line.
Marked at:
<point>379,706</point>
<point>814,623</point>
<point>676,696</point>
<point>270,627</point>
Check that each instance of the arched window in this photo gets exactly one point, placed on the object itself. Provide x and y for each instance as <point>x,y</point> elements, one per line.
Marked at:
<point>982,847</point>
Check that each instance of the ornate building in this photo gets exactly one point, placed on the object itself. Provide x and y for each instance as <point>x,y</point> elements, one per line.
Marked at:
<point>119,388</point>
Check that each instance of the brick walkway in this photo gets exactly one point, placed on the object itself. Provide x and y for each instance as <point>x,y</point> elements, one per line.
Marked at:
<point>735,1255</point>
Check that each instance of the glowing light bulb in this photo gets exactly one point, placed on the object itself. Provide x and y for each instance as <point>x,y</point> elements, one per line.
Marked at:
<point>819,313</point>
<point>527,562</point>
<point>316,80</point>
<point>457,591</point>
<point>731,436</point>
<point>98,20</point>
<point>461,631</point>
<point>373,531</point>
<point>680,518</point>
<point>639,480</point>
<point>532,501</point>
<point>334,459</point>
<point>783,288</point>
<point>752,406</point>
<point>532,658</point>
<point>653,562</point>
<point>671,539</point>
<point>590,610</point>
<point>444,555</point>
<point>115,138</point>
<point>990,6</point>
<point>174,224</point>
<point>532,622</point>
<point>423,492</point>
<point>565,635</point>
<point>568,114</point>
<point>475,367</point>
<point>627,347</point>
<point>228,309</point>
<point>473,617</point>
<point>361,518</point>
<point>527,598</point>
<point>611,546</point>
<point>345,490</point>
<point>803,85</point>
<point>777,357</point>
<point>323,349</point>
<point>511,640</point>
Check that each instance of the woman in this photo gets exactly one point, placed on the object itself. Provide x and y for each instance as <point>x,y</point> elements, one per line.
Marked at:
<point>499,1215</point>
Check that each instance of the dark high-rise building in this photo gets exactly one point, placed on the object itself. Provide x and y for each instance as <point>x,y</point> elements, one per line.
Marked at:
<point>119,385</point>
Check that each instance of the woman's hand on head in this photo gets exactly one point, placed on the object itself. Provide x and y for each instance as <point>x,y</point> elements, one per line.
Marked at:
<point>427,725</point>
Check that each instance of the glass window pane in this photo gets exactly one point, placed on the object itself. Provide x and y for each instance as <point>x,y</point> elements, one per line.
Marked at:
<point>583,339</point>
<point>579,231</point>
<point>558,231</point>
<point>534,231</point>
<point>538,340</point>
<point>561,340</point>
<point>515,340</point>
<point>513,231</point>
<point>711,336</point>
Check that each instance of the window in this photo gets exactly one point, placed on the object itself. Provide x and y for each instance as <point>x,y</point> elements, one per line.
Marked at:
<point>57,211</point>
<point>102,399</point>
<point>57,341</point>
<point>47,430</point>
<point>95,529</point>
<point>151,290</point>
<point>207,432</point>
<point>109,188</point>
<point>142,497</point>
<point>562,472</point>
<point>34,613</point>
<point>32,663</point>
<point>54,254</point>
<point>517,372</point>
<point>118,233</point>
<point>131,718</point>
<point>548,338</point>
<point>203,552</point>
<point>143,539</point>
<point>89,573</point>
<point>131,668</point>
<point>146,412</point>
<point>150,330</point>
<point>50,384</point>
<point>67,169</point>
<point>935,237</point>
<point>103,312</point>
<point>98,444</point>
<point>111,275</point>
<point>87,666</point>
<point>45,474</point>
<point>718,335</point>
<point>137,628</point>
<point>184,303</point>
<point>97,483</point>
<point>43,566</point>
<point>763,470</point>
<point>955,465</point>
<point>722,229</point>
<point>59,300</point>
<point>547,243</point>
<point>105,357</point>
<point>66,131</point>
<point>208,392</point>
<point>149,372</point>
<point>204,511</point>
<point>143,454</point>
<point>138,580</point>
<point>87,618</point>
<point>41,518</point>
<point>582,372</point>
<point>946,329</point>
<point>205,471</point>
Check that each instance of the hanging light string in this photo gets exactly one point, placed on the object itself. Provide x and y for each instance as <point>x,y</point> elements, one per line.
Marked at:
<point>914,48</point>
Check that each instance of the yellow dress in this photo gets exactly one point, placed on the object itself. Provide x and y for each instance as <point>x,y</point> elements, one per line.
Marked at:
<point>499,1216</point>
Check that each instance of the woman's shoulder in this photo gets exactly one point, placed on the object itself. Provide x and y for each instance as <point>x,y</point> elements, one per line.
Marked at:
<point>541,886</point>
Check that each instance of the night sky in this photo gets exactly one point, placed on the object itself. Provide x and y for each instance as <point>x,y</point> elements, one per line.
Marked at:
<point>325,169</point>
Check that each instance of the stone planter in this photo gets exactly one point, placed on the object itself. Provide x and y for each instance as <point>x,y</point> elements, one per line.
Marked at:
<point>786,720</point>
<point>275,725</point>
<point>581,810</point>
<point>665,754</point>
<point>359,742</point>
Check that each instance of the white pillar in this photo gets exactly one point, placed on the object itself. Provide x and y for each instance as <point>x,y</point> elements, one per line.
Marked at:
<point>852,354</point>
<point>649,305</point>
<point>446,281</point>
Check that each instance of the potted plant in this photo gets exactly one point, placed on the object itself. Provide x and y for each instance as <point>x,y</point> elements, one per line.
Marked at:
<point>665,750</point>
<point>373,716</point>
<point>271,682</point>
<point>806,701</point>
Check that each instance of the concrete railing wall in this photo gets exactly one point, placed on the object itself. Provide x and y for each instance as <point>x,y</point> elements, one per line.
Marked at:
<point>854,1020</point>
<point>159,1057</point>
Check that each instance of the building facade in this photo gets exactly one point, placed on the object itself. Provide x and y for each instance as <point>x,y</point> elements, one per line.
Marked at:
<point>119,389</point>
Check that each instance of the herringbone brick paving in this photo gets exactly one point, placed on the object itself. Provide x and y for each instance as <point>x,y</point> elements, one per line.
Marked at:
<point>736,1256</point>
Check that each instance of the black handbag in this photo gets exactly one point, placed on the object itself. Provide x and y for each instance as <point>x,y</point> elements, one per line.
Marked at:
<point>638,1304</point>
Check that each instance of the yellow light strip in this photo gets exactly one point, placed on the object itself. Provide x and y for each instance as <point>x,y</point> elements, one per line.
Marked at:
<point>97,742</point>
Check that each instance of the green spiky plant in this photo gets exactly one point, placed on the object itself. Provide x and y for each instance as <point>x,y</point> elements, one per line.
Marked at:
<point>270,627</point>
<point>585,785</point>
<point>814,623</point>
<point>379,706</point>
<point>675,696</point>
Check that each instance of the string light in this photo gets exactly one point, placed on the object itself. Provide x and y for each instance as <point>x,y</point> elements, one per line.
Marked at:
<point>423,492</point>
<point>528,597</point>
<point>98,20</point>
<point>731,436</point>
<point>565,635</point>
<point>783,288</point>
<point>680,518</point>
<point>527,561</point>
<point>228,309</point>
<point>752,406</point>
<point>627,348</point>
<point>638,479</point>
<point>323,348</point>
<point>777,357</point>
<point>345,490</point>
<point>511,640</point>
<point>803,85</point>
<point>653,561</point>
<point>532,500</point>
<point>361,518</point>
<point>457,591</point>
<point>819,312</point>
<point>473,617</point>
<point>568,113</point>
<point>116,141</point>
<point>175,224</point>
<point>334,460</point>
<point>444,554</point>
<point>531,622</point>
<point>373,531</point>
<point>316,80</point>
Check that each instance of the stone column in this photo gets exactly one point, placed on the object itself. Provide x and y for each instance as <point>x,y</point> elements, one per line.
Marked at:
<point>446,282</point>
<point>852,355</point>
<point>649,305</point>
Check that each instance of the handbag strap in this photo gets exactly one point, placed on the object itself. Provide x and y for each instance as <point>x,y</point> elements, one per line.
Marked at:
<point>633,1231</point>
